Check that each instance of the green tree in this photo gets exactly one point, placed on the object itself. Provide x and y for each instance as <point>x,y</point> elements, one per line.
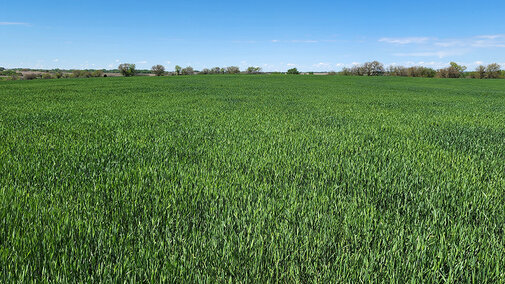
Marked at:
<point>127,69</point>
<point>493,71</point>
<point>187,71</point>
<point>293,71</point>
<point>178,70</point>
<point>232,70</point>
<point>480,72</point>
<point>158,70</point>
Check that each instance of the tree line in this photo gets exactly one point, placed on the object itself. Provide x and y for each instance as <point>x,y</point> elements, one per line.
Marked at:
<point>127,69</point>
<point>373,68</point>
<point>454,70</point>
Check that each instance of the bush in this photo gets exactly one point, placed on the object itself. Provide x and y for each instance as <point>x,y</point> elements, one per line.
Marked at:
<point>332,73</point>
<point>81,74</point>
<point>158,70</point>
<point>178,70</point>
<point>127,69</point>
<point>217,70</point>
<point>187,71</point>
<point>204,71</point>
<point>30,76</point>
<point>293,71</point>
<point>493,71</point>
<point>232,70</point>
<point>97,73</point>
<point>47,76</point>
<point>253,70</point>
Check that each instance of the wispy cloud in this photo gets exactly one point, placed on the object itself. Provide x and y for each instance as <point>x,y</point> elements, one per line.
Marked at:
<point>322,65</point>
<point>405,40</point>
<point>142,62</point>
<point>304,41</point>
<point>439,54</point>
<point>479,41</point>
<point>13,24</point>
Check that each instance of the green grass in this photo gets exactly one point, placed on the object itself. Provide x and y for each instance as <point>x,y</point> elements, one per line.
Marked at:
<point>252,179</point>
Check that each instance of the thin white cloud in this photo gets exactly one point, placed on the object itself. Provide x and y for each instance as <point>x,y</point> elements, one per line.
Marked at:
<point>491,36</point>
<point>13,24</point>
<point>56,60</point>
<point>405,40</point>
<point>142,62</point>
<point>322,65</point>
<point>439,54</point>
<point>479,41</point>
<point>304,41</point>
<point>300,41</point>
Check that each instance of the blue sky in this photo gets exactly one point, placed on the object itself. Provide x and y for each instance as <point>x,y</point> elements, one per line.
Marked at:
<point>275,35</point>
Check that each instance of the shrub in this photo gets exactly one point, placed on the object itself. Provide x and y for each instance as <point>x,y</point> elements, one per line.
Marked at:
<point>81,74</point>
<point>178,70</point>
<point>187,71</point>
<point>374,68</point>
<point>293,71</point>
<point>253,70</point>
<point>493,71</point>
<point>47,76</point>
<point>127,69</point>
<point>30,76</point>
<point>217,70</point>
<point>332,73</point>
<point>97,73</point>
<point>158,70</point>
<point>480,73</point>
<point>232,70</point>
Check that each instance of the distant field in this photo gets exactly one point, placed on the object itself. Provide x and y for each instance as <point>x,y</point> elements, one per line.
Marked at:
<point>252,179</point>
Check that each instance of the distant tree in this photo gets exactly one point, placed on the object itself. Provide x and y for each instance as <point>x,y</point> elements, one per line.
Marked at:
<point>374,68</point>
<point>215,70</point>
<point>331,73</point>
<point>187,71</point>
<point>346,71</point>
<point>127,69</point>
<point>47,76</point>
<point>58,75</point>
<point>460,68</point>
<point>204,71</point>
<point>178,70</point>
<point>253,70</point>
<point>493,71</point>
<point>30,76</point>
<point>158,70</point>
<point>453,71</point>
<point>97,73</point>
<point>81,74</point>
<point>232,70</point>
<point>293,71</point>
<point>2,69</point>
<point>480,72</point>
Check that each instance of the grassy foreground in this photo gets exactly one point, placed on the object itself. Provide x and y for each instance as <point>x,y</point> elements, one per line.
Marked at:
<point>252,179</point>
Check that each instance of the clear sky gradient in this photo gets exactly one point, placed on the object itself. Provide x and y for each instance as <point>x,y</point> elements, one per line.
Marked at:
<point>275,35</point>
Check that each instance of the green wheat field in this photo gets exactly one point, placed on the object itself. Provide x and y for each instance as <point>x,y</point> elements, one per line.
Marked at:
<point>267,178</point>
